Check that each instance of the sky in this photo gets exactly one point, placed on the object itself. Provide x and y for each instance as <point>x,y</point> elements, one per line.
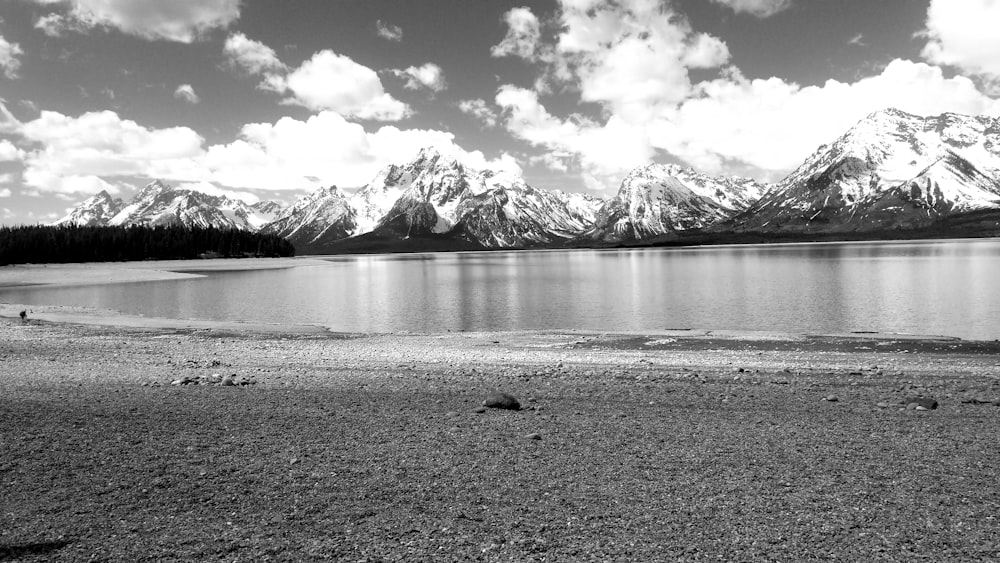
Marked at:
<point>262,99</point>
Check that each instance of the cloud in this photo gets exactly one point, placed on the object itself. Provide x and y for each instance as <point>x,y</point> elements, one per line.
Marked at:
<point>428,75</point>
<point>633,56</point>
<point>388,31</point>
<point>252,56</point>
<point>56,25</point>
<point>9,62</point>
<point>759,8</point>
<point>772,125</point>
<point>604,153</point>
<point>523,35</point>
<point>325,81</point>
<point>324,149</point>
<point>5,192</point>
<point>329,81</point>
<point>177,20</point>
<point>186,92</point>
<point>963,34</point>
<point>480,110</point>
<point>70,154</point>
<point>858,40</point>
<point>8,152</point>
<point>101,150</point>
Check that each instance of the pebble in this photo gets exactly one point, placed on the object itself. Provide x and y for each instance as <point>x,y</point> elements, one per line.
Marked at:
<point>451,414</point>
<point>479,410</point>
<point>534,436</point>
<point>831,398</point>
<point>228,381</point>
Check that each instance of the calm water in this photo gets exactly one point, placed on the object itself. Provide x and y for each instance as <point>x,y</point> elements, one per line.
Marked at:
<point>939,287</point>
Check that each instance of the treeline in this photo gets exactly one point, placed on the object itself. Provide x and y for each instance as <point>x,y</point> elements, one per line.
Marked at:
<point>70,243</point>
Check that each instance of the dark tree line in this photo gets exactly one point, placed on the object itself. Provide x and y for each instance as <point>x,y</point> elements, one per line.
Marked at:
<point>70,243</point>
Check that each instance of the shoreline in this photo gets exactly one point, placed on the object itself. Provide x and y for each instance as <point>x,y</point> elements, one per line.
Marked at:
<point>125,443</point>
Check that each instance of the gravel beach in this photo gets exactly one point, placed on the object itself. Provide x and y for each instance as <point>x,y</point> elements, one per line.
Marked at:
<point>122,443</point>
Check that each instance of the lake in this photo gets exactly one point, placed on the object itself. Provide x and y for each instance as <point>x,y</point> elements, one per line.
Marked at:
<point>919,287</point>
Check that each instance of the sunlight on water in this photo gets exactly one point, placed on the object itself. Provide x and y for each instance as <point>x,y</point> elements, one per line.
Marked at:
<point>936,287</point>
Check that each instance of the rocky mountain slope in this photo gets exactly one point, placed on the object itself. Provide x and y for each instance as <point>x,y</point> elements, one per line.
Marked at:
<point>93,211</point>
<point>435,195</point>
<point>893,170</point>
<point>659,199</point>
<point>161,204</point>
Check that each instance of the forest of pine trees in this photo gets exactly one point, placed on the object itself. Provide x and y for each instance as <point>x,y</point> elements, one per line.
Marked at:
<point>69,243</point>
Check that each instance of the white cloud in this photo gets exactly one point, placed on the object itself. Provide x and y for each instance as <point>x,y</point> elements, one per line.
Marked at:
<point>8,152</point>
<point>326,81</point>
<point>963,33</point>
<point>5,192</point>
<point>9,62</point>
<point>388,31</point>
<point>773,125</point>
<point>759,8</point>
<point>605,152</point>
<point>329,81</point>
<point>214,190</point>
<point>633,56</point>
<point>100,150</point>
<point>428,75</point>
<point>186,92</point>
<point>177,20</point>
<point>55,24</point>
<point>324,149</point>
<point>252,56</point>
<point>523,34</point>
<point>74,153</point>
<point>480,110</point>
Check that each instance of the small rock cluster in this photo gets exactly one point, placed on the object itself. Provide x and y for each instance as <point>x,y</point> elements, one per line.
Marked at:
<point>229,380</point>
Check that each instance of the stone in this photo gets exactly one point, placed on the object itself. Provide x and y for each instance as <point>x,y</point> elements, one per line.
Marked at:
<point>451,414</point>
<point>926,402</point>
<point>534,436</point>
<point>479,410</point>
<point>831,398</point>
<point>882,405</point>
<point>228,381</point>
<point>501,400</point>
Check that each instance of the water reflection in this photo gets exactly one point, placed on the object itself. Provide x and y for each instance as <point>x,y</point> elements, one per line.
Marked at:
<point>941,287</point>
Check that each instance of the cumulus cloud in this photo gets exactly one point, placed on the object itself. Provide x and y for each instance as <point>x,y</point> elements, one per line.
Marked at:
<point>480,110</point>
<point>604,153</point>
<point>252,56</point>
<point>759,8</point>
<point>101,150</point>
<point>428,75</point>
<point>9,152</point>
<point>523,35</point>
<point>325,81</point>
<point>962,33</point>
<point>177,20</point>
<point>329,81</point>
<point>633,57</point>
<point>186,92</point>
<point>74,154</point>
<point>388,31</point>
<point>773,125</point>
<point>9,62</point>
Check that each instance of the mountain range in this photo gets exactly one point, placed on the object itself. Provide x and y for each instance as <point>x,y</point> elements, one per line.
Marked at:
<point>893,172</point>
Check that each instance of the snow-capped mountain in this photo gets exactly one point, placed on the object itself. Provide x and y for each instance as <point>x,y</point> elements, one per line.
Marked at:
<point>160,204</point>
<point>93,211</point>
<point>436,195</point>
<point>323,214</point>
<point>658,199</point>
<point>511,213</point>
<point>891,170</point>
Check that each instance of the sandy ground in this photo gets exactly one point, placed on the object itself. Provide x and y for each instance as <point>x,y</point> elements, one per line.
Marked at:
<point>120,442</point>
